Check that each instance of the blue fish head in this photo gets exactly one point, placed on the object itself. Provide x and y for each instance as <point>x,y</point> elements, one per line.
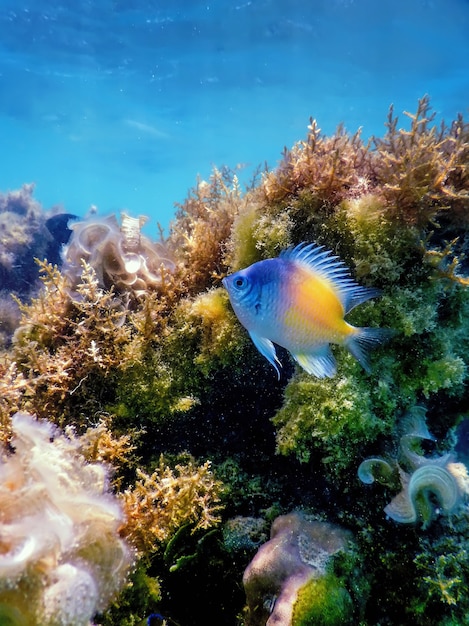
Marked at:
<point>244,289</point>
<point>240,287</point>
<point>249,289</point>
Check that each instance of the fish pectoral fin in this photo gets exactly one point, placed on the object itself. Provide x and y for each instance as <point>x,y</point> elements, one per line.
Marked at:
<point>320,363</point>
<point>267,349</point>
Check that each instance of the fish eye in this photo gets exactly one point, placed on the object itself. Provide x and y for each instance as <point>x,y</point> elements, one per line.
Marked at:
<point>240,282</point>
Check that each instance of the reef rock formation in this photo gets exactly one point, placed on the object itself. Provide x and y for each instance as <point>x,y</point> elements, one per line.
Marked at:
<point>23,236</point>
<point>163,360</point>
<point>297,552</point>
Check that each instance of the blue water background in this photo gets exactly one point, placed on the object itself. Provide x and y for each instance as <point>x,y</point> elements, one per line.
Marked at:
<point>122,104</point>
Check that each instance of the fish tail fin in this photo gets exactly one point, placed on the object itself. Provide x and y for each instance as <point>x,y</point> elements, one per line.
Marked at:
<point>363,340</point>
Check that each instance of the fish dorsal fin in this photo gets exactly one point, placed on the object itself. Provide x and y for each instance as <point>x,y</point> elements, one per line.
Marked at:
<point>321,261</point>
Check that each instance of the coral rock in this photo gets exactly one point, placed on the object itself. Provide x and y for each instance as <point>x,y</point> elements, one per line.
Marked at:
<point>296,553</point>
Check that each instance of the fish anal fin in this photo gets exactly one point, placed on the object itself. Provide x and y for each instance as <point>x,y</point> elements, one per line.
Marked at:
<point>320,363</point>
<point>267,349</point>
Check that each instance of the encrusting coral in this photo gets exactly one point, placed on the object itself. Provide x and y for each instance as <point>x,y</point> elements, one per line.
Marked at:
<point>62,558</point>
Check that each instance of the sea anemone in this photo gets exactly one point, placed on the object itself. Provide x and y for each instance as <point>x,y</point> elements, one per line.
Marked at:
<point>120,255</point>
<point>61,556</point>
<point>430,484</point>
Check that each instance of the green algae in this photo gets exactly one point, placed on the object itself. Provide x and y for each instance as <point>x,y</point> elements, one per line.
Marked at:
<point>335,418</point>
<point>140,598</point>
<point>323,602</point>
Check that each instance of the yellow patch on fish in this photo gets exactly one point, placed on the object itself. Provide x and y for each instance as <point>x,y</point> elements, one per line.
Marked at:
<point>316,311</point>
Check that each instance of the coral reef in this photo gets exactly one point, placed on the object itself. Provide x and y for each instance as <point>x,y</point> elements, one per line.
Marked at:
<point>135,352</point>
<point>62,558</point>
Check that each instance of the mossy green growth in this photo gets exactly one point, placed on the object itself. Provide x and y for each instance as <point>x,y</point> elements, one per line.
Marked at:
<point>378,248</point>
<point>209,323</point>
<point>425,359</point>
<point>140,598</point>
<point>335,417</point>
<point>323,601</point>
<point>442,575</point>
<point>146,392</point>
<point>165,376</point>
<point>420,300</point>
<point>244,250</point>
<point>257,234</point>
